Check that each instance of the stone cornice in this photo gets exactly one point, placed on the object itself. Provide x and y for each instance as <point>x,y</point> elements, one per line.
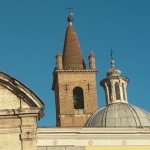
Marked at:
<point>113,77</point>
<point>57,130</point>
<point>21,91</point>
<point>9,130</point>
<point>19,111</point>
<point>93,136</point>
<point>77,71</point>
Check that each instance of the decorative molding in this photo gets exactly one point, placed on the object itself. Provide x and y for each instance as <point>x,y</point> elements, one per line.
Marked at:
<point>76,71</point>
<point>21,91</point>
<point>19,111</point>
<point>28,136</point>
<point>93,136</point>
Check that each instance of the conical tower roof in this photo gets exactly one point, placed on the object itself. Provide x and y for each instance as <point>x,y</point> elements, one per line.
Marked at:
<point>72,55</point>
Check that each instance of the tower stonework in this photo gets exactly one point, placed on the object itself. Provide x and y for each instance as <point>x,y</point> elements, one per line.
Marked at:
<point>73,84</point>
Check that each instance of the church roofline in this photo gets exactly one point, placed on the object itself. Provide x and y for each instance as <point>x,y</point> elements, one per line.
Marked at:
<point>92,130</point>
<point>21,91</point>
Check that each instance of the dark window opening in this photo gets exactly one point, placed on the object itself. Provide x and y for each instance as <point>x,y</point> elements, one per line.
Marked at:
<point>78,98</point>
<point>117,90</point>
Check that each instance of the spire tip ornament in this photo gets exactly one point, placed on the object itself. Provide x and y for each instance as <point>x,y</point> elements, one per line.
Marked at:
<point>113,71</point>
<point>112,62</point>
<point>70,17</point>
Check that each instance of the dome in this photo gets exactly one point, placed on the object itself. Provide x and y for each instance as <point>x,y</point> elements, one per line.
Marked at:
<point>120,115</point>
<point>113,72</point>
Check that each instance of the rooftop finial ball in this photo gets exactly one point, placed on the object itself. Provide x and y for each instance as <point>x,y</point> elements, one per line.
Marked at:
<point>70,19</point>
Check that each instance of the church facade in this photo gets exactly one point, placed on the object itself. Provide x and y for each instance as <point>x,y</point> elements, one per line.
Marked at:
<point>80,125</point>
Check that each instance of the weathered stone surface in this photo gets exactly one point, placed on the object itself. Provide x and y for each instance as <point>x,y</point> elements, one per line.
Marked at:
<point>20,110</point>
<point>10,141</point>
<point>42,148</point>
<point>61,148</point>
<point>75,148</point>
<point>78,138</point>
<point>120,115</point>
<point>9,100</point>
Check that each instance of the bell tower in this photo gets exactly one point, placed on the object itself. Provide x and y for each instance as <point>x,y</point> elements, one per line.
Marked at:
<point>74,85</point>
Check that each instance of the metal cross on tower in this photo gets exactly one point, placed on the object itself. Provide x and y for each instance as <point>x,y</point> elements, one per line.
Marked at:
<point>66,87</point>
<point>69,9</point>
<point>88,87</point>
<point>111,54</point>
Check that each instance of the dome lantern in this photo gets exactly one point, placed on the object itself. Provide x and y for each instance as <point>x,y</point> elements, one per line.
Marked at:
<point>115,85</point>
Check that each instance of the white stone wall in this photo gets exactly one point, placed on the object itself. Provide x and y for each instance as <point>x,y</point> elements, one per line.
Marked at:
<point>85,137</point>
<point>61,148</point>
<point>18,120</point>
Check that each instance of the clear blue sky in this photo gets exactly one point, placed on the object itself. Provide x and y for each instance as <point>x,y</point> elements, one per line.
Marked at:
<point>32,32</point>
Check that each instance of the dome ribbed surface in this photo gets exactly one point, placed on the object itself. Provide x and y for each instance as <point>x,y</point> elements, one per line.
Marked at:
<point>72,55</point>
<point>113,72</point>
<point>120,115</point>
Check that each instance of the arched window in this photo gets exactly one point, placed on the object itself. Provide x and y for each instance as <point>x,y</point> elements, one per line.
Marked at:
<point>123,88</point>
<point>78,98</point>
<point>117,90</point>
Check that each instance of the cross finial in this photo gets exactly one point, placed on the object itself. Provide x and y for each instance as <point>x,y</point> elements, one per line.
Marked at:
<point>111,54</point>
<point>69,9</point>
<point>112,62</point>
<point>70,17</point>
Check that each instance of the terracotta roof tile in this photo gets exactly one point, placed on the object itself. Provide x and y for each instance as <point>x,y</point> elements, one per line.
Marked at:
<point>72,55</point>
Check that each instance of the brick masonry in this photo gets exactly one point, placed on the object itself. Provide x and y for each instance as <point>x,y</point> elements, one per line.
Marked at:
<point>65,82</point>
